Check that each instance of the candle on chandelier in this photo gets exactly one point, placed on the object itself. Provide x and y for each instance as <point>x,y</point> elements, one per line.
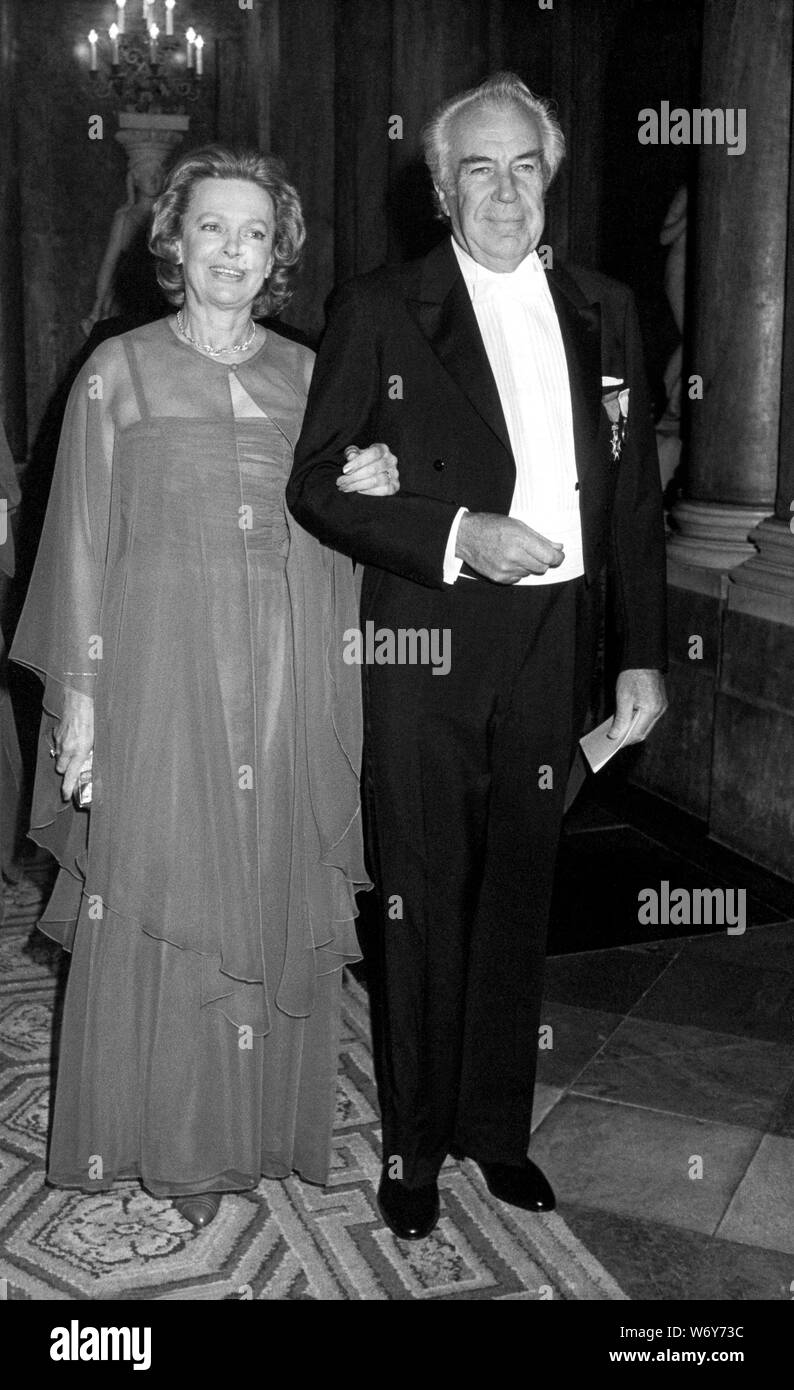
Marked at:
<point>120,4</point>
<point>190,35</point>
<point>92,39</point>
<point>146,4</point>
<point>169,17</point>
<point>154,34</point>
<point>113,35</point>
<point>199,55</point>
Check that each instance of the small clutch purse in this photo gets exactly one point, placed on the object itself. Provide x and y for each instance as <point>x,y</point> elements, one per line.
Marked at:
<point>83,790</point>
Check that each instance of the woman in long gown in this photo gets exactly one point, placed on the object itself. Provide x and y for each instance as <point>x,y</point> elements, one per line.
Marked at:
<point>190,636</point>
<point>10,756</point>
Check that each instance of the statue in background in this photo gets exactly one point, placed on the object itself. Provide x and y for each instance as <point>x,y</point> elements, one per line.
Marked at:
<point>668,429</point>
<point>125,282</point>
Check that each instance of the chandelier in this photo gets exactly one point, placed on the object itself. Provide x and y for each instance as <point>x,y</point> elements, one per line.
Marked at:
<point>143,65</point>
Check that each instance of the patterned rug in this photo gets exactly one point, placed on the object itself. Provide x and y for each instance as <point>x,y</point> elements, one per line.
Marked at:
<point>287,1240</point>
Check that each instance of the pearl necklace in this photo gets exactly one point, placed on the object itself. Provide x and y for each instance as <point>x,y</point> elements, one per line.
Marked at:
<point>207,347</point>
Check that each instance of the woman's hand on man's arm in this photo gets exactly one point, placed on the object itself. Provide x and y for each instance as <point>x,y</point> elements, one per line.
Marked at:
<point>372,470</point>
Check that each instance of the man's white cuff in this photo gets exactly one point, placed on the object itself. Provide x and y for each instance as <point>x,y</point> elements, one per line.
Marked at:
<point>452,563</point>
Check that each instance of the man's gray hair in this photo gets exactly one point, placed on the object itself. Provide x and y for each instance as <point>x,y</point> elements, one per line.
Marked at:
<point>502,89</point>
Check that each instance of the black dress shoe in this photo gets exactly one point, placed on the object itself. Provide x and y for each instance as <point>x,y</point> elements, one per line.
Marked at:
<point>521,1185</point>
<point>198,1208</point>
<point>410,1212</point>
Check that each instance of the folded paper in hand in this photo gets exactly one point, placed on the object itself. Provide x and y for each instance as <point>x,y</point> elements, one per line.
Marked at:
<point>598,749</point>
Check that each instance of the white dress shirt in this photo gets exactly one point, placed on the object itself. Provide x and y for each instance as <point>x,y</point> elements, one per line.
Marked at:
<point>521,335</point>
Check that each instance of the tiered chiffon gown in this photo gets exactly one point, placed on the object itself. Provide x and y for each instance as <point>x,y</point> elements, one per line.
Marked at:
<point>10,757</point>
<point>208,896</point>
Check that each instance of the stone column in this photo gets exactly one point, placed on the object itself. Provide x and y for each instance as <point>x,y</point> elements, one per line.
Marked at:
<point>738,277</point>
<point>764,585</point>
<point>753,743</point>
<point>724,751</point>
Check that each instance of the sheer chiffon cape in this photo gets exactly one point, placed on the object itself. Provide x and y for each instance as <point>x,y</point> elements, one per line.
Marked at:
<point>10,756</point>
<point>9,494</point>
<point>140,597</point>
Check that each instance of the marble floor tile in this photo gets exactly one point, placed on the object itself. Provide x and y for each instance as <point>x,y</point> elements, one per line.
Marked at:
<point>762,1209</point>
<point>663,950</point>
<point>639,1161</point>
<point>609,981</point>
<point>782,1121</point>
<point>653,1261</point>
<point>770,946</point>
<point>689,1071</point>
<point>544,1100</point>
<point>737,984</point>
<point>575,1037</point>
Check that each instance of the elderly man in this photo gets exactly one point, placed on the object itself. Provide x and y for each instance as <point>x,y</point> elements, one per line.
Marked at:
<point>516,402</point>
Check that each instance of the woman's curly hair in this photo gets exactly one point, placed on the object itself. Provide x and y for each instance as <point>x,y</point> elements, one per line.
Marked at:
<point>221,162</point>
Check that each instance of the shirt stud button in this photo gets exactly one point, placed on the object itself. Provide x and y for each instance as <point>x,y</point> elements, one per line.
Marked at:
<point>439,465</point>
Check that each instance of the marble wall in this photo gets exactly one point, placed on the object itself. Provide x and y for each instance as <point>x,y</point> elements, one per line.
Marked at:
<point>70,184</point>
<point>318,82</point>
<point>726,749</point>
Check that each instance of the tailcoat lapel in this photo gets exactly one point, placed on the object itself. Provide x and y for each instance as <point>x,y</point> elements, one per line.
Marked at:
<point>444,313</point>
<point>580,327</point>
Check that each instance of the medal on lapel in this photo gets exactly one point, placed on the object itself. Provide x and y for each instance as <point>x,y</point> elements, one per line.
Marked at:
<point>615,401</point>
